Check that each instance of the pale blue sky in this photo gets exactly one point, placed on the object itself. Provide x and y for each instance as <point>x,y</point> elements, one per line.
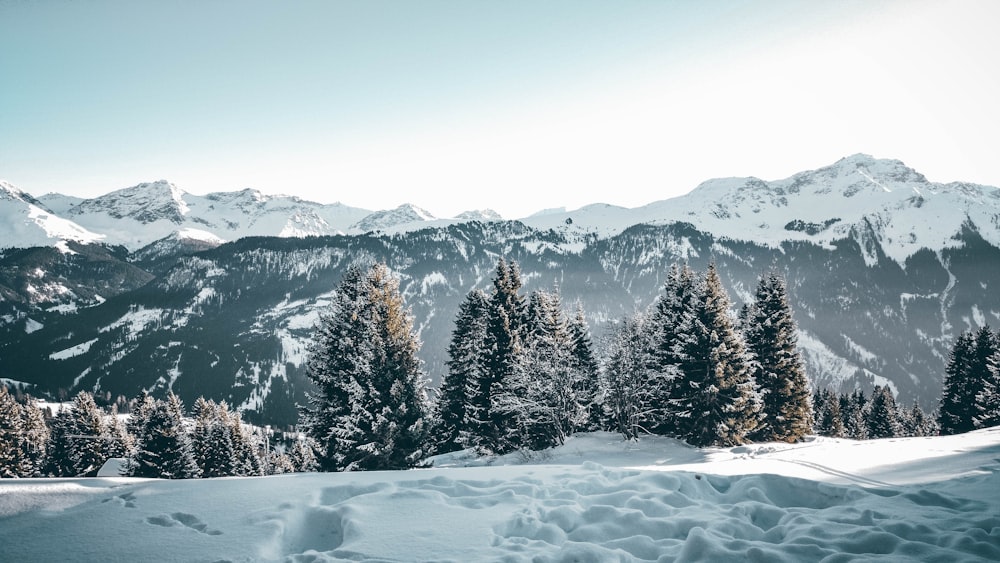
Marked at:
<point>513,105</point>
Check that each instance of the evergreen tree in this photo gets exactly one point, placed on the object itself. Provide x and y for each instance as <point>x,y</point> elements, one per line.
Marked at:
<point>465,371</point>
<point>819,404</point>
<point>776,365</point>
<point>339,353</point>
<point>204,414</point>
<point>302,455</point>
<point>12,435</point>
<point>279,463</point>
<point>494,430</point>
<point>543,395</point>
<point>672,337</point>
<point>588,383</point>
<point>988,398</point>
<point>371,411</point>
<point>142,407</point>
<point>212,443</point>
<point>59,461</point>
<point>855,412</point>
<point>914,422</point>
<point>883,417</point>
<point>718,404</point>
<point>631,402</point>
<point>88,450</point>
<point>830,417</point>
<point>967,370</point>
<point>163,448</point>
<point>115,437</point>
<point>220,457</point>
<point>35,439</point>
<point>246,443</point>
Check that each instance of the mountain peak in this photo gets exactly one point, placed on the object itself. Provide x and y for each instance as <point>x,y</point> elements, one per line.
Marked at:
<point>479,215</point>
<point>876,170</point>
<point>390,218</point>
<point>10,192</point>
<point>146,203</point>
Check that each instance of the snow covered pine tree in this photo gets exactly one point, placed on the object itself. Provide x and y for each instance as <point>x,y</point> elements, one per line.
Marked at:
<point>370,410</point>
<point>776,365</point>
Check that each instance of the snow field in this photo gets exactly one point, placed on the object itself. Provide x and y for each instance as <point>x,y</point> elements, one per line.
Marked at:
<point>596,498</point>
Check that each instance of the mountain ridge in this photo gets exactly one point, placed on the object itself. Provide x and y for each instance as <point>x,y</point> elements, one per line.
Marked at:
<point>232,320</point>
<point>904,210</point>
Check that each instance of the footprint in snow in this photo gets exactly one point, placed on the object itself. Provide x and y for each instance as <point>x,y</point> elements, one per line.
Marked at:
<point>182,519</point>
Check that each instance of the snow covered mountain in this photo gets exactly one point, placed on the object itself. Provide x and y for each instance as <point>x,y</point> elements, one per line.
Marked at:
<point>884,270</point>
<point>26,222</point>
<point>138,216</point>
<point>858,196</point>
<point>146,213</point>
<point>400,218</point>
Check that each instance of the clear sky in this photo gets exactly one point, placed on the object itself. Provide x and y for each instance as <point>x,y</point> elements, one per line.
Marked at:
<point>513,105</point>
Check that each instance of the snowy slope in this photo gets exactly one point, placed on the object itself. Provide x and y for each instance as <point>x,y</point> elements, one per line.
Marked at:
<point>857,196</point>
<point>25,221</point>
<point>142,214</point>
<point>596,498</point>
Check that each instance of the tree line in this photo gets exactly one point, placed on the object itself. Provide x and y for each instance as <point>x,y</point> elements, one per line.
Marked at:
<point>858,416</point>
<point>970,399</point>
<point>157,440</point>
<point>523,375</point>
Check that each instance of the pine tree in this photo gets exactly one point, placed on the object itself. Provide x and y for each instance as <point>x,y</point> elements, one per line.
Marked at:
<point>776,366</point>
<point>718,402</point>
<point>116,439</point>
<point>87,450</point>
<point>883,416</point>
<point>552,364</point>
<point>671,339</point>
<point>35,439</point>
<point>967,370</point>
<point>204,414</point>
<point>988,398</point>
<point>830,418</point>
<point>914,422</point>
<point>302,455</point>
<point>465,371</point>
<point>542,395</point>
<point>219,457</point>
<point>163,448</point>
<point>588,383</point>
<point>246,444</point>
<point>212,443</point>
<point>631,402</point>
<point>819,404</point>
<point>12,435</point>
<point>856,416</point>
<point>339,353</point>
<point>494,431</point>
<point>59,459</point>
<point>371,411</point>
<point>143,406</point>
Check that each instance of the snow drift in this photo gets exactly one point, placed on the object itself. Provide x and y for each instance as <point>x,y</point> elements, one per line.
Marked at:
<point>596,498</point>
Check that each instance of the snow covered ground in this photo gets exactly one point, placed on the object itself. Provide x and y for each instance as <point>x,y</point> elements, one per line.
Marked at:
<point>596,498</point>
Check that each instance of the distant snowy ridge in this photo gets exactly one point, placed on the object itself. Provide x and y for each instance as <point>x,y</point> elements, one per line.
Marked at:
<point>857,197</point>
<point>149,212</point>
<point>25,221</point>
